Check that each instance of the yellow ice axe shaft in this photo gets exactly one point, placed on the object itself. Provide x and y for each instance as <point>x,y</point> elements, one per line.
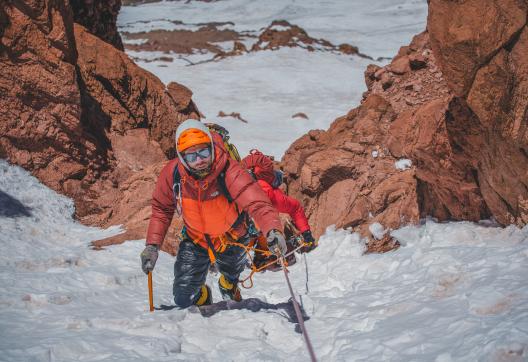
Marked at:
<point>151,296</point>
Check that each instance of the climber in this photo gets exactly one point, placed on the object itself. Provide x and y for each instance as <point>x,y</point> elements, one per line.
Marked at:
<point>261,168</point>
<point>215,197</point>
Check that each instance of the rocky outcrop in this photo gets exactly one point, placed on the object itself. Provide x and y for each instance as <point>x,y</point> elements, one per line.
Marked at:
<point>40,100</point>
<point>81,116</point>
<point>441,131</point>
<point>99,17</point>
<point>483,54</point>
<point>127,96</point>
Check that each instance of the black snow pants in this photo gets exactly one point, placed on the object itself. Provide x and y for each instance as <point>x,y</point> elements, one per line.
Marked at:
<point>192,265</point>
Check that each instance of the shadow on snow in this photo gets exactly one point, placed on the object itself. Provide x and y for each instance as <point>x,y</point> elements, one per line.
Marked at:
<point>285,309</point>
<point>11,207</point>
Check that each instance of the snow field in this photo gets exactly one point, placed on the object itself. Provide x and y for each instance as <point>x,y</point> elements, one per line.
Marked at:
<point>452,292</point>
<point>378,27</point>
<point>267,88</point>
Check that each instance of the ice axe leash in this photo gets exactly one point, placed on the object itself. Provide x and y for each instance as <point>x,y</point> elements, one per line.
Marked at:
<point>297,308</point>
<point>151,294</point>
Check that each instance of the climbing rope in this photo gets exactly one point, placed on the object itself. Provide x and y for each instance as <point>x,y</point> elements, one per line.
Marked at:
<point>297,309</point>
<point>284,264</point>
<point>249,248</point>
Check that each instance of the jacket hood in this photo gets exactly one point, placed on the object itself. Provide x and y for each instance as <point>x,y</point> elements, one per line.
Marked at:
<point>219,160</point>
<point>193,124</point>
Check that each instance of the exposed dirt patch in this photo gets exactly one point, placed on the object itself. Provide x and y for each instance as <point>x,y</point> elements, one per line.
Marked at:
<point>183,41</point>
<point>235,115</point>
<point>207,38</point>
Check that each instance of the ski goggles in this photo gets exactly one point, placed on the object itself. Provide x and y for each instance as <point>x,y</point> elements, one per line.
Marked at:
<point>191,157</point>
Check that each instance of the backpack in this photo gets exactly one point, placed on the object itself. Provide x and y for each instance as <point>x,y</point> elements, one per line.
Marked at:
<point>261,167</point>
<point>224,133</point>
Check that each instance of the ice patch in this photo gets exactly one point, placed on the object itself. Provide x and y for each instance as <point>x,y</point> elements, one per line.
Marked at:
<point>134,41</point>
<point>403,164</point>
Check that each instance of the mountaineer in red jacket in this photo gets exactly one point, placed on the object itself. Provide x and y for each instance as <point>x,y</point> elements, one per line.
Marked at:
<point>261,167</point>
<point>213,196</point>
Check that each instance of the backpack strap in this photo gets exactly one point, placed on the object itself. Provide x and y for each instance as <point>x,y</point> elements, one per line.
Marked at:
<point>176,189</point>
<point>176,184</point>
<point>222,183</point>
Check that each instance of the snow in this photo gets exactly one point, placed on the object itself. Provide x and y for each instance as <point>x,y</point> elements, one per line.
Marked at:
<point>453,292</point>
<point>403,164</point>
<point>377,230</point>
<point>268,87</point>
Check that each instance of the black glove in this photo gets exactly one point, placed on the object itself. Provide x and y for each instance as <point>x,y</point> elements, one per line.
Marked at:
<point>310,242</point>
<point>277,242</point>
<point>148,258</point>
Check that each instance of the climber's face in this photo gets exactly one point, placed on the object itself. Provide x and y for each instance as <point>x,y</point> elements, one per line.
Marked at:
<point>198,157</point>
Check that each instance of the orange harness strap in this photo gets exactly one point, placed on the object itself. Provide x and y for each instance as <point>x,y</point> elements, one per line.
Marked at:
<point>254,269</point>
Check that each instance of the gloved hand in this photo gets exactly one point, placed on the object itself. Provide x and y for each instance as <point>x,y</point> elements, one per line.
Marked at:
<point>276,242</point>
<point>148,258</point>
<point>310,241</point>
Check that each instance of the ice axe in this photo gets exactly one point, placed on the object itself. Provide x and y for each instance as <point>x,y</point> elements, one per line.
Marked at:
<point>151,294</point>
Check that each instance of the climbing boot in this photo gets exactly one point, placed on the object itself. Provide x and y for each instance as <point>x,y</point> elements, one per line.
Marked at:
<point>229,290</point>
<point>206,297</point>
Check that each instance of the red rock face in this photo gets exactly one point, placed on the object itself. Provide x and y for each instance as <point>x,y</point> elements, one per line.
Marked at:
<point>81,116</point>
<point>483,53</point>
<point>40,102</point>
<point>455,105</point>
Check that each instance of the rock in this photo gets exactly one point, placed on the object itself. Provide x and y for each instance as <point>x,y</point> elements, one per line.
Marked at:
<point>386,244</point>
<point>465,132</point>
<point>127,96</point>
<point>282,34</point>
<point>348,49</point>
<point>99,17</point>
<point>386,80</point>
<point>465,35</point>
<point>400,65</point>
<point>378,73</point>
<point>239,48</point>
<point>181,95</point>
<point>235,115</point>
<point>483,65</point>
<point>300,115</point>
<point>132,210</point>
<point>417,61</point>
<point>370,74</point>
<point>40,100</point>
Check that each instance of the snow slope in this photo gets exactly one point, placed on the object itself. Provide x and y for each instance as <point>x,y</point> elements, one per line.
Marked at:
<point>453,292</point>
<point>267,88</point>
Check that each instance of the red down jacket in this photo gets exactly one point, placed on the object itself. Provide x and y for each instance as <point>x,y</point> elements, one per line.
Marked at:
<point>205,209</point>
<point>287,205</point>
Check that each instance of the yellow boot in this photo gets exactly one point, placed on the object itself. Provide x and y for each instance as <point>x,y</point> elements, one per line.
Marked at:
<point>228,289</point>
